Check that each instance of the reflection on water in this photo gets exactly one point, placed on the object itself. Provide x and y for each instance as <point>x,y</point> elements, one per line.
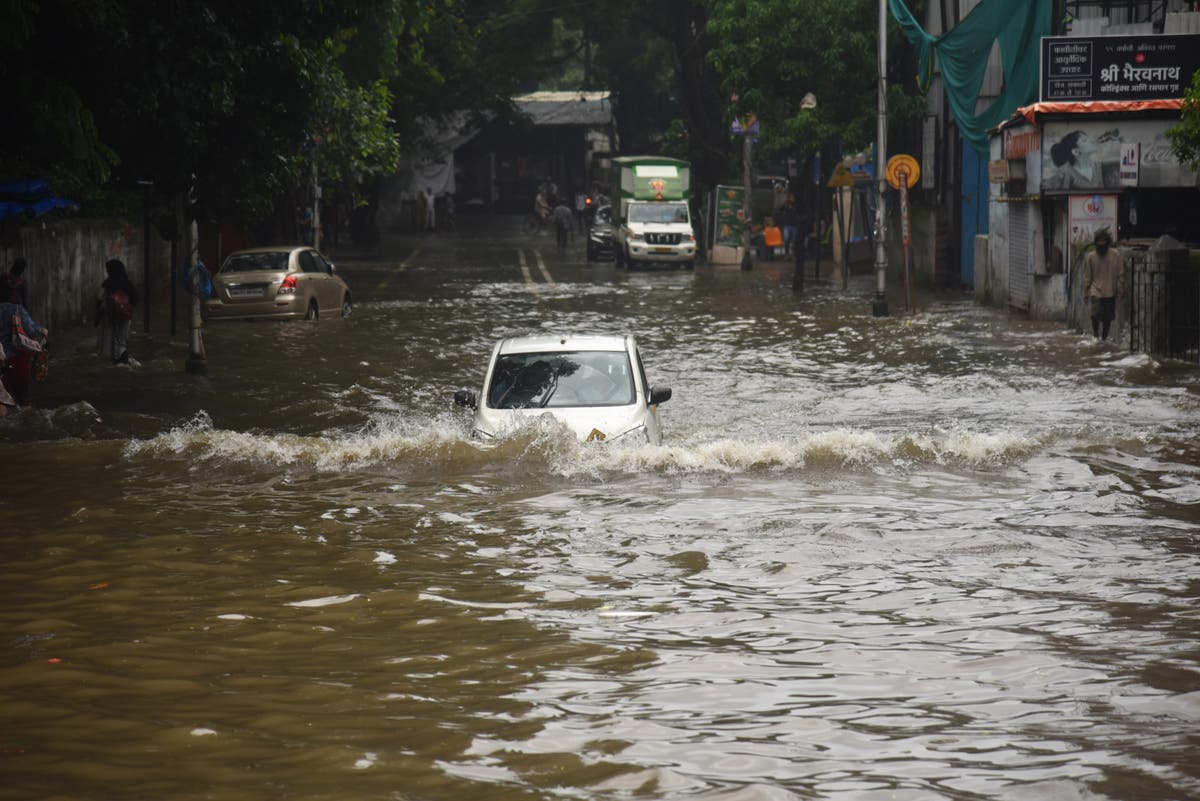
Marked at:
<point>950,556</point>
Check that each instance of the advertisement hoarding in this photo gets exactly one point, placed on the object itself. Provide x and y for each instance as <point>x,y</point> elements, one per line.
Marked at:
<point>1080,156</point>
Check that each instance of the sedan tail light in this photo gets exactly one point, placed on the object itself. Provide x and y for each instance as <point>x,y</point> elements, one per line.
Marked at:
<point>288,287</point>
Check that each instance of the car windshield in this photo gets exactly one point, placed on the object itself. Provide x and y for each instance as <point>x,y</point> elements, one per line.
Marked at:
<point>658,213</point>
<point>562,379</point>
<point>249,262</point>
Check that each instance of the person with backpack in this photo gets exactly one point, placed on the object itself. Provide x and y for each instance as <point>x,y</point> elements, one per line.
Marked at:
<point>114,312</point>
<point>21,340</point>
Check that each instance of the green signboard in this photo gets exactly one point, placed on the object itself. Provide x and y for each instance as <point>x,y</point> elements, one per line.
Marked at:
<point>728,229</point>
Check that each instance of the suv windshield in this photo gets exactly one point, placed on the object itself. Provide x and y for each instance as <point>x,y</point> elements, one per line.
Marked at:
<point>556,380</point>
<point>658,213</point>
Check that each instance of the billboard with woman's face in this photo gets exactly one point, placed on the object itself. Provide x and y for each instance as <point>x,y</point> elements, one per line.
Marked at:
<point>1080,156</point>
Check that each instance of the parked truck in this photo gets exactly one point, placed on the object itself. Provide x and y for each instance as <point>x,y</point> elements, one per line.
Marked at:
<point>650,216</point>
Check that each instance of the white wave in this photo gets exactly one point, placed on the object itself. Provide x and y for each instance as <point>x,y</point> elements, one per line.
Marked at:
<point>382,442</point>
<point>406,441</point>
<point>329,600</point>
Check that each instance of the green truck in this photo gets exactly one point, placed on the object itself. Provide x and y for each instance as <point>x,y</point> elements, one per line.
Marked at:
<point>650,215</point>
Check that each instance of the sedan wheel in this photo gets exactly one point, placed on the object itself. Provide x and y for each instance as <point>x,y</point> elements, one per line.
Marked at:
<point>346,307</point>
<point>313,312</point>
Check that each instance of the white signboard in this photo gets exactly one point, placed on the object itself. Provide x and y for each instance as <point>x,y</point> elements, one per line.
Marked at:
<point>1086,215</point>
<point>1131,155</point>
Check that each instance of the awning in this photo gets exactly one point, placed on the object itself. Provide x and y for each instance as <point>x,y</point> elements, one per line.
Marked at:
<point>1098,107</point>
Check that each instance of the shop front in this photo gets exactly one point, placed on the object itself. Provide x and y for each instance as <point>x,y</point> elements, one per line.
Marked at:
<point>1093,153</point>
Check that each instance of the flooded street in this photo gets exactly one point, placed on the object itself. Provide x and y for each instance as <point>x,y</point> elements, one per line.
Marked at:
<point>950,555</point>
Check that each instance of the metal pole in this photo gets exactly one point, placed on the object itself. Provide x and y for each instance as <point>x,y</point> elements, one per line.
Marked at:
<point>146,254</point>
<point>196,363</point>
<point>847,223</point>
<point>174,283</point>
<point>746,219</point>
<point>316,215</point>
<point>879,307</point>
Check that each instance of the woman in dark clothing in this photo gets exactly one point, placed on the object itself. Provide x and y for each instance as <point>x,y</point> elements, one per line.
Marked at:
<point>114,311</point>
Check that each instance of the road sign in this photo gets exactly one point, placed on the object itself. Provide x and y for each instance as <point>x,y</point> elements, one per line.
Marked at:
<point>841,177</point>
<point>902,169</point>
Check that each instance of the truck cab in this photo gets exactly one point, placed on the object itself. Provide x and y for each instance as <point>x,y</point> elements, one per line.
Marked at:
<point>651,221</point>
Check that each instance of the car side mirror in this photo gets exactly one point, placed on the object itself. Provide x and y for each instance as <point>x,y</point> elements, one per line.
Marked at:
<point>659,395</point>
<point>465,397</point>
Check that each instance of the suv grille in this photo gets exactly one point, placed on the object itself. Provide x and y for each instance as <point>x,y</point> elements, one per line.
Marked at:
<point>662,239</point>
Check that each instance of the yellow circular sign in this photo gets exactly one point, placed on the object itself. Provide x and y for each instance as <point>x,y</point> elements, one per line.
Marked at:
<point>902,169</point>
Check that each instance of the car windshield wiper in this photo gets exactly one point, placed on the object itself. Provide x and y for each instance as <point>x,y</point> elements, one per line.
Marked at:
<point>550,391</point>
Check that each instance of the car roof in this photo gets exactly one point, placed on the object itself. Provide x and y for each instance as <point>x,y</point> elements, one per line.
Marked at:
<point>552,343</point>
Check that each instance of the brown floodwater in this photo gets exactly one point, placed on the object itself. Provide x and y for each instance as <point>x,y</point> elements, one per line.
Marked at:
<point>943,555</point>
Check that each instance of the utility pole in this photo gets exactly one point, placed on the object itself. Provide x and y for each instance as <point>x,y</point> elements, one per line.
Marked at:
<point>879,307</point>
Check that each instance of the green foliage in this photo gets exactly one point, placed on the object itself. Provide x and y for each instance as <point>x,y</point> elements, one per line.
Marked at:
<point>1185,137</point>
<point>770,53</point>
<point>240,100</point>
<point>223,95</point>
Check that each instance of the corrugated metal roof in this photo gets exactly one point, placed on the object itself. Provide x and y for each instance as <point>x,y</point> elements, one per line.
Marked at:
<point>567,108</point>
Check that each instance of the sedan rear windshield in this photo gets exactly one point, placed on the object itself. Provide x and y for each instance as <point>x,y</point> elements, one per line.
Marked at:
<point>561,379</point>
<point>249,262</point>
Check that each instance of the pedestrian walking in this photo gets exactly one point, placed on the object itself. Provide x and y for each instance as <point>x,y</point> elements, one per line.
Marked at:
<point>21,340</point>
<point>787,217</point>
<point>564,220</point>
<point>1103,282</point>
<point>430,209</point>
<point>114,312</point>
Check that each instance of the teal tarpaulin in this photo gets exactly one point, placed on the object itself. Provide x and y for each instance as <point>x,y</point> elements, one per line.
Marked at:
<point>963,51</point>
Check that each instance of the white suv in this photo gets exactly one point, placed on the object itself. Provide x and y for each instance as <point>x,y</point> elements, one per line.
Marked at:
<point>656,231</point>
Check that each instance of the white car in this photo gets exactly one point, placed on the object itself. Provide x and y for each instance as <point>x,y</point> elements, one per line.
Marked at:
<point>594,384</point>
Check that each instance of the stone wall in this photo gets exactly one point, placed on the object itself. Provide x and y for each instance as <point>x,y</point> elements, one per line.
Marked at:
<point>66,264</point>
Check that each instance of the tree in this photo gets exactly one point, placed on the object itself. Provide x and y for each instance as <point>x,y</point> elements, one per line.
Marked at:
<point>225,95</point>
<point>772,52</point>
<point>1185,137</point>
